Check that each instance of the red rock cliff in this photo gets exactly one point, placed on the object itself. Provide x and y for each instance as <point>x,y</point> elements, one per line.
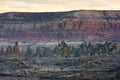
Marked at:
<point>73,25</point>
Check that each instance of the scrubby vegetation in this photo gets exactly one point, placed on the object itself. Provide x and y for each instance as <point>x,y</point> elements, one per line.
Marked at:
<point>64,61</point>
<point>64,50</point>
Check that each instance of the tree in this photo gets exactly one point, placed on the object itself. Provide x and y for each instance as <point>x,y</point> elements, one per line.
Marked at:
<point>72,51</point>
<point>82,49</point>
<point>9,50</point>
<point>47,52</point>
<point>66,51</point>
<point>106,48</point>
<point>113,48</point>
<point>29,51</point>
<point>16,50</point>
<point>38,52</point>
<point>2,51</point>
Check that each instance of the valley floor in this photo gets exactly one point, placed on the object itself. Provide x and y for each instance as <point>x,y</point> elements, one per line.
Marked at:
<point>49,68</point>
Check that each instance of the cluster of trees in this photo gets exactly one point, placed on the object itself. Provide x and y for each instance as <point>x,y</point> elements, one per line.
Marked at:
<point>39,51</point>
<point>64,50</point>
<point>11,50</point>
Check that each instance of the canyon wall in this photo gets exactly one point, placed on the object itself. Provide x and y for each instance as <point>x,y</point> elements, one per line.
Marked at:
<point>89,25</point>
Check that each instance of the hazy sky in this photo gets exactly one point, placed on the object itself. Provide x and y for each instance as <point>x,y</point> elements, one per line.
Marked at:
<point>57,5</point>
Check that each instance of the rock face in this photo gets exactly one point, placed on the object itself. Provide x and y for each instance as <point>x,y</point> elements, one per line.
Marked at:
<point>74,25</point>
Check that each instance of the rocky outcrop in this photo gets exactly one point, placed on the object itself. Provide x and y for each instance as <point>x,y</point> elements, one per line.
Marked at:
<point>73,25</point>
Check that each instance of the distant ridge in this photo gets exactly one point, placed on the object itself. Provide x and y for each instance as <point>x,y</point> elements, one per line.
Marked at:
<point>90,25</point>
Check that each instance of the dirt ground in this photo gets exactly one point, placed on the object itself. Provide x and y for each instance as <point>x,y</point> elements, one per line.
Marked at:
<point>19,78</point>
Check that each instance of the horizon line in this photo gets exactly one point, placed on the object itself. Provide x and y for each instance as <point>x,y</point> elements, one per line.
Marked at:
<point>58,11</point>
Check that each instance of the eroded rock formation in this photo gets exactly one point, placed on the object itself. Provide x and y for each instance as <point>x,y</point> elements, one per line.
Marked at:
<point>73,25</point>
